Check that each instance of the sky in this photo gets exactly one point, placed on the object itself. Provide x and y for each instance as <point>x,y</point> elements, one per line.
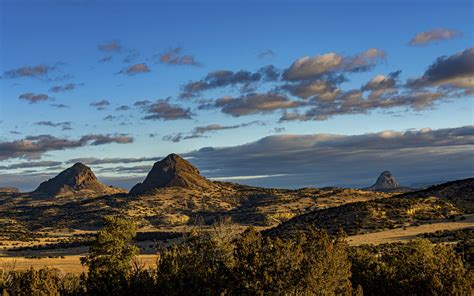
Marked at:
<point>268,93</point>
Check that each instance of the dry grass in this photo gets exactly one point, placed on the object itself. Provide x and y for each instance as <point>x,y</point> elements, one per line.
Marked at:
<point>68,264</point>
<point>409,233</point>
<point>174,207</point>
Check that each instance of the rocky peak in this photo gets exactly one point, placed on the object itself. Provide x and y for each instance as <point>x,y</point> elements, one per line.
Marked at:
<point>172,171</point>
<point>78,179</point>
<point>77,176</point>
<point>174,163</point>
<point>386,180</point>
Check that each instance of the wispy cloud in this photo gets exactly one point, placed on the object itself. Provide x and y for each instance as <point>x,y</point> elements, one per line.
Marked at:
<point>178,137</point>
<point>255,103</point>
<point>105,59</point>
<point>200,131</point>
<point>163,110</point>
<point>112,46</point>
<point>434,35</point>
<point>60,106</point>
<point>100,105</point>
<point>123,108</point>
<point>131,56</point>
<point>65,87</point>
<point>33,98</point>
<point>136,69</point>
<point>31,164</point>
<point>66,125</point>
<point>115,160</point>
<point>174,57</point>
<point>224,78</point>
<point>249,177</point>
<point>268,53</point>
<point>38,71</point>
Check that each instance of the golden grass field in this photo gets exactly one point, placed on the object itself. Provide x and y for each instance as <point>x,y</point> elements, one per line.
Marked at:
<point>68,264</point>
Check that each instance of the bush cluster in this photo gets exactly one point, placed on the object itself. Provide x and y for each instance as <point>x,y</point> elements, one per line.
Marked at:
<point>415,268</point>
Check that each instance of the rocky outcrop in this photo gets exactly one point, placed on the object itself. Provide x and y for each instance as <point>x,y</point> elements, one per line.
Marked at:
<point>172,171</point>
<point>386,182</point>
<point>78,180</point>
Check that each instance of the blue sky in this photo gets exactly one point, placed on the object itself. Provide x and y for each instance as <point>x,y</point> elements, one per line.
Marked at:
<point>63,40</point>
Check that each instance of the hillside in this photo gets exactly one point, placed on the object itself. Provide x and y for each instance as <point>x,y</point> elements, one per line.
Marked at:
<point>177,207</point>
<point>459,192</point>
<point>440,202</point>
<point>9,190</point>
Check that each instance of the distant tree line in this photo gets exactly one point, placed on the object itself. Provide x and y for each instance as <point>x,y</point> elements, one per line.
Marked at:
<point>219,263</point>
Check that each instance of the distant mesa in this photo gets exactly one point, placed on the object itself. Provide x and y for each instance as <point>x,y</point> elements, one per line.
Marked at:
<point>172,171</point>
<point>9,190</point>
<point>78,180</point>
<point>386,182</point>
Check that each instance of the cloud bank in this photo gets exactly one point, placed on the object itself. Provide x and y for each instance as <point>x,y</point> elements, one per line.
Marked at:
<point>327,159</point>
<point>33,147</point>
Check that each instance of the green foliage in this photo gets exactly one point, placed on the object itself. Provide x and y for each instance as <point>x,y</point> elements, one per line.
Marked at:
<point>310,262</point>
<point>200,264</point>
<point>110,256</point>
<point>251,264</point>
<point>44,282</point>
<point>141,281</point>
<point>415,268</point>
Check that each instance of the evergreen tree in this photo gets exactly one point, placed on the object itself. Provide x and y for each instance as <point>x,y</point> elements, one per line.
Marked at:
<point>110,257</point>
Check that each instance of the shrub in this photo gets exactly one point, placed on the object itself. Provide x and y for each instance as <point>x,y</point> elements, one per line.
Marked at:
<point>250,264</point>
<point>415,268</point>
<point>200,264</point>
<point>44,282</point>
